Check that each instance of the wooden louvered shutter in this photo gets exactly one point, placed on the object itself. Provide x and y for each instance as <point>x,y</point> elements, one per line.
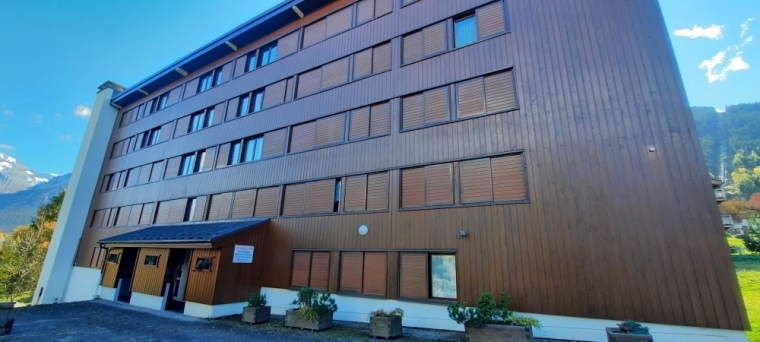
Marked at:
<point>104,185</point>
<point>241,64</point>
<point>218,114</point>
<point>351,271</point>
<point>413,276</point>
<point>129,143</point>
<point>412,46</point>
<point>108,218</point>
<point>224,155</point>
<point>177,210</point>
<point>162,212</point>
<point>191,87</point>
<point>274,94</point>
<point>335,73</point>
<point>138,141</point>
<point>330,130</point>
<point>377,191</point>
<point>134,215</point>
<point>174,96</point>
<point>320,196</point>
<point>232,109</point>
<point>303,137</point>
<point>380,119</point>
<point>314,33</point>
<point>363,63</point>
<point>132,177</point>
<point>500,92</point>
<point>208,161</point>
<point>183,125</point>
<point>266,202</point>
<point>213,209</point>
<point>155,173</point>
<point>274,143</point>
<point>166,132</point>
<point>145,172</point>
<point>365,11</point>
<point>244,203</point>
<point>225,204</point>
<point>226,72</point>
<point>172,167</point>
<point>381,58</point>
<point>309,83</point>
<point>470,98</point>
<point>116,150</point>
<point>97,219</point>
<point>301,267</point>
<point>475,181</point>
<point>359,123</point>
<point>490,20</point>
<point>438,185</point>
<point>293,201</point>
<point>383,7</point>
<point>413,187</point>
<point>122,216</point>
<point>200,208</point>
<point>320,270</point>
<point>375,269</point>
<point>147,213</point>
<point>115,181</point>
<point>412,111</point>
<point>508,177</point>
<point>435,39</point>
<point>287,45</point>
<point>125,118</point>
<point>437,105</point>
<point>356,194</point>
<point>339,21</point>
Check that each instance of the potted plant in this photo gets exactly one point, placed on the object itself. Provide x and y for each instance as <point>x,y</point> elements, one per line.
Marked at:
<point>256,311</point>
<point>491,320</point>
<point>311,310</point>
<point>386,324</point>
<point>629,331</point>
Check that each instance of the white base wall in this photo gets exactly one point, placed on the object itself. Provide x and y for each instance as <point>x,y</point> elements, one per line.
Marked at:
<point>213,311</point>
<point>147,301</point>
<point>109,293</point>
<point>82,285</point>
<point>434,316</point>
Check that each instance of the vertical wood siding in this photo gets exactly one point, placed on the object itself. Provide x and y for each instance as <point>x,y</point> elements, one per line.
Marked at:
<point>150,279</point>
<point>111,269</point>
<point>202,284</point>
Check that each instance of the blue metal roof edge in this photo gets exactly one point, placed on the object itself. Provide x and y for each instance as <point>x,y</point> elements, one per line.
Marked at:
<point>256,21</point>
<point>253,223</point>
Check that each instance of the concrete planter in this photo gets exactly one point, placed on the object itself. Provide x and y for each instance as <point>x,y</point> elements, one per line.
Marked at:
<point>614,335</point>
<point>322,322</point>
<point>496,332</point>
<point>256,315</point>
<point>385,327</point>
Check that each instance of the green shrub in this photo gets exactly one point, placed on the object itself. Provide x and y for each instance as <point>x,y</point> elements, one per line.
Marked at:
<point>257,300</point>
<point>489,311</point>
<point>752,236</point>
<point>630,327</point>
<point>397,312</point>
<point>309,304</point>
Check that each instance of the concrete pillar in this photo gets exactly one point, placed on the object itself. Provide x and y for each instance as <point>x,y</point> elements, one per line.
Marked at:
<point>59,261</point>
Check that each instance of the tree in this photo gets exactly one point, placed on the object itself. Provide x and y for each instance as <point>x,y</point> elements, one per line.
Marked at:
<point>737,208</point>
<point>24,250</point>
<point>752,237</point>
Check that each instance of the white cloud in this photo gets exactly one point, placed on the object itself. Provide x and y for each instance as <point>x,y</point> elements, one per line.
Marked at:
<point>745,27</point>
<point>749,39</point>
<point>54,174</point>
<point>82,111</point>
<point>6,147</point>
<point>58,115</point>
<point>712,32</point>
<point>8,112</point>
<point>737,63</point>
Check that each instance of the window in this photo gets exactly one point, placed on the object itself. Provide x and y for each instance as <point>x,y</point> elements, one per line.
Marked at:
<point>198,121</point>
<point>235,153</point>
<point>336,204</point>
<point>205,82</point>
<point>192,163</point>
<point>425,276</point>
<point>258,100</point>
<point>366,192</point>
<point>443,276</point>
<point>310,269</point>
<point>311,198</point>
<point>465,31</point>
<point>113,258</point>
<point>188,164</point>
<point>151,137</point>
<point>370,121</point>
<point>203,264</point>
<point>245,103</point>
<point>427,186</point>
<point>363,272</point>
<point>492,179</point>
<point>163,101</point>
<point>251,62</point>
<point>151,260</point>
<point>268,54</point>
<point>190,209</point>
<point>218,76</point>
<point>252,149</point>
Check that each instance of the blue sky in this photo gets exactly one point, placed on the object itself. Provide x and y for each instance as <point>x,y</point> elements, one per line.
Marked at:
<point>55,53</point>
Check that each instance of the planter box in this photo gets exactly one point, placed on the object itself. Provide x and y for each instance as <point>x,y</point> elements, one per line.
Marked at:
<point>6,327</point>
<point>614,335</point>
<point>256,315</point>
<point>495,332</point>
<point>386,327</point>
<point>322,322</point>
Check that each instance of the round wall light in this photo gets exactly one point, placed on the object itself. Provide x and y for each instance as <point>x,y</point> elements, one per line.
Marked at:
<point>363,230</point>
<point>652,149</point>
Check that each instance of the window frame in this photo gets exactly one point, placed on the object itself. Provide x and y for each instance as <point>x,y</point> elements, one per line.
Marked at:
<point>267,49</point>
<point>430,256</point>
<point>467,16</point>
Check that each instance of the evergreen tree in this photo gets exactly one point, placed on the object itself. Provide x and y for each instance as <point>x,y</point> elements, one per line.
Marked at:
<point>752,237</point>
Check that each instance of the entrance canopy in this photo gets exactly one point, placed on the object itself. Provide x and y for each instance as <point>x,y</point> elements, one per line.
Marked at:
<point>186,235</point>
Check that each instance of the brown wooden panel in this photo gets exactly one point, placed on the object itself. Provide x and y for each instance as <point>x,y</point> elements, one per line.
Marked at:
<point>470,98</point>
<point>274,143</point>
<point>241,65</point>
<point>122,216</point>
<point>309,82</point>
<point>320,196</point>
<point>377,191</point>
<point>156,171</point>
<point>293,199</point>
<point>314,33</point>
<point>162,212</point>
<point>225,205</point>
<point>232,108</point>
<point>413,187</point>
<point>359,123</point>
<point>356,193</point>
<point>134,215</point>
<point>363,63</point>
<point>222,159</point>
<point>172,167</point>
<point>274,94</point>
<point>375,269</point>
<point>413,49</point>
<point>200,208</point>
<point>383,7</point>
<point>150,279</point>
<point>267,200</point>
<point>208,161</point>
<point>303,137</point>
<point>351,271</point>
<point>339,21</point>
<point>104,184</point>
<point>500,92</point>
<point>227,72</point>
<point>244,203</point>
<point>174,96</point>
<point>365,11</point>
<point>201,285</point>
<point>437,105</point>
<point>438,185</point>
<point>412,111</point>
<point>147,213</point>
<point>287,45</point>
<point>166,132</point>
<point>330,130</point>
<point>381,58</point>
<point>475,181</point>
<point>380,119</point>
<point>434,39</point>
<point>177,211</point>
<point>335,73</point>
<point>183,125</point>
<point>219,114</point>
<point>413,276</point>
<point>301,267</point>
<point>145,172</point>
<point>490,20</point>
<point>320,270</point>
<point>111,269</point>
<point>508,178</point>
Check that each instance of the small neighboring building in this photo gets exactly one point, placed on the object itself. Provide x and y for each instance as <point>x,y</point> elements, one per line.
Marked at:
<point>754,201</point>
<point>720,193</point>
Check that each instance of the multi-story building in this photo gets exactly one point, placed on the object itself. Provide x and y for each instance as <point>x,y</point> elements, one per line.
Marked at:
<point>408,153</point>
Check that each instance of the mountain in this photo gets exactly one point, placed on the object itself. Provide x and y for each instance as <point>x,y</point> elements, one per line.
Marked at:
<point>15,176</point>
<point>17,209</point>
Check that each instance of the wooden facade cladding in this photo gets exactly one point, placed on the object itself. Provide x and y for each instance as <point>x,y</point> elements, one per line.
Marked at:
<point>149,279</point>
<point>202,284</point>
<point>111,268</point>
<point>583,133</point>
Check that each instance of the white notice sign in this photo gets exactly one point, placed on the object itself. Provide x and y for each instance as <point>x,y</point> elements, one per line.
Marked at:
<point>243,255</point>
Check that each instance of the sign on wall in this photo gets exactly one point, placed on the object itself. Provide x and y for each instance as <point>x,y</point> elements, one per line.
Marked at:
<point>242,255</point>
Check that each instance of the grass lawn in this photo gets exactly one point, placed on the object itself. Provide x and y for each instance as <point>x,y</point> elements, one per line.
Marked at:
<point>748,272</point>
